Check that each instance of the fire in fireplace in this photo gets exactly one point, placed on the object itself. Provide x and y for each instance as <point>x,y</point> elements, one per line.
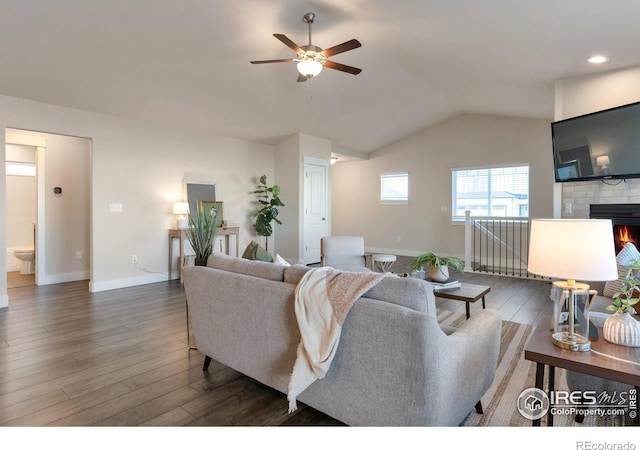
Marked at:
<point>623,234</point>
<point>625,219</point>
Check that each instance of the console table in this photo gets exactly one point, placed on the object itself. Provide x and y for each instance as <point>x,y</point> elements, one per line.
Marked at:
<point>181,234</point>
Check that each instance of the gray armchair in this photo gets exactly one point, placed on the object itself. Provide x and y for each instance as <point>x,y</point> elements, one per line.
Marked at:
<point>344,253</point>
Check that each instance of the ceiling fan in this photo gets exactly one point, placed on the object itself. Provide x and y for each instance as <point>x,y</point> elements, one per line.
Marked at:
<point>312,59</point>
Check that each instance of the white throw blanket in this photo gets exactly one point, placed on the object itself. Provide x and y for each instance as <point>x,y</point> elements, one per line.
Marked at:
<point>323,298</point>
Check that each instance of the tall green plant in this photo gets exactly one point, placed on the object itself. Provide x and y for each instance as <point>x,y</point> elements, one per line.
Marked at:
<point>269,199</point>
<point>202,233</point>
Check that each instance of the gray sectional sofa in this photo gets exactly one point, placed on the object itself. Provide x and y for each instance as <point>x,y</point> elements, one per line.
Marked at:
<point>395,365</point>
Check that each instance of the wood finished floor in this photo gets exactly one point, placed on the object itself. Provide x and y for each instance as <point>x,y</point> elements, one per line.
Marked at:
<point>72,358</point>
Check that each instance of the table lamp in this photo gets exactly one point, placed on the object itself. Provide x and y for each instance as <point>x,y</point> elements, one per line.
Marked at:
<point>603,162</point>
<point>572,249</point>
<point>181,209</point>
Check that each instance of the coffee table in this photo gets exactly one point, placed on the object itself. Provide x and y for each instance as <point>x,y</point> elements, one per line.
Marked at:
<point>541,350</point>
<point>469,293</point>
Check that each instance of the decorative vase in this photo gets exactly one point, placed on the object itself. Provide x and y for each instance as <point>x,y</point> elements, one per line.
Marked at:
<point>439,273</point>
<point>622,329</point>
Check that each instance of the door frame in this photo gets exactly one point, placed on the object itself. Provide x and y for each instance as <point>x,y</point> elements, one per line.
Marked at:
<point>327,165</point>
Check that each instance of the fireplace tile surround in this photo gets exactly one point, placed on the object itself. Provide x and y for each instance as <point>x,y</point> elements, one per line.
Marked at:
<point>582,194</point>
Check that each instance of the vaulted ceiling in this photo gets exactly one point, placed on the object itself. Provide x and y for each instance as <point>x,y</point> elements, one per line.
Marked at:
<point>185,64</point>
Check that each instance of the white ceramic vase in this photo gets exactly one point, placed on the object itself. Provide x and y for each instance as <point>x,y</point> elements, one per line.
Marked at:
<point>622,329</point>
<point>439,274</point>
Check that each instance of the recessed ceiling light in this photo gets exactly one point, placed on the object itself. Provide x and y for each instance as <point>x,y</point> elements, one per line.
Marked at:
<point>598,59</point>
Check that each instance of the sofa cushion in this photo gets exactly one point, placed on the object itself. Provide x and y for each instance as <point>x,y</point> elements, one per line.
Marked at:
<point>408,292</point>
<point>255,252</point>
<point>261,269</point>
<point>293,274</point>
<point>628,255</point>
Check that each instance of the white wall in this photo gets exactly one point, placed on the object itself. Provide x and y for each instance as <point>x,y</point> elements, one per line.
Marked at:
<point>290,156</point>
<point>142,167</point>
<point>468,140</point>
<point>67,164</point>
<point>586,94</point>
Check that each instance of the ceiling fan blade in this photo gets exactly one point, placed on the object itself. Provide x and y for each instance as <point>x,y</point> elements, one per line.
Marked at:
<point>267,61</point>
<point>341,48</point>
<point>342,67</point>
<point>302,77</point>
<point>289,43</point>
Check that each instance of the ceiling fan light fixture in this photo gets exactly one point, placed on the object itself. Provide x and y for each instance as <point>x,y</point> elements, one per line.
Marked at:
<point>309,67</point>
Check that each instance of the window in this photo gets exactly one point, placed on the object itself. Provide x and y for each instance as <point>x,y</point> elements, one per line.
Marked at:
<point>394,187</point>
<point>491,192</point>
<point>21,169</point>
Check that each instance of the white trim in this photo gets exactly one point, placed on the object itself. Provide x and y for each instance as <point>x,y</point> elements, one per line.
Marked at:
<point>4,301</point>
<point>41,226</point>
<point>63,278</point>
<point>25,139</point>
<point>100,286</point>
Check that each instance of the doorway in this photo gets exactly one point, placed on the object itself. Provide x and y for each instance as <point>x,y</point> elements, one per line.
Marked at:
<point>61,226</point>
<point>316,207</point>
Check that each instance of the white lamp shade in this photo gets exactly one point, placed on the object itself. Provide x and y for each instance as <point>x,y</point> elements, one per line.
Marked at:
<point>309,67</point>
<point>181,208</point>
<point>573,249</point>
<point>602,161</point>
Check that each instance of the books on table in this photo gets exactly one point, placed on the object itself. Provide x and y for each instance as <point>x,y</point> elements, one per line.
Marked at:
<point>450,283</point>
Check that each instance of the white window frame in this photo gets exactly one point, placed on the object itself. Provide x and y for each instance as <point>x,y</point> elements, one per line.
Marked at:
<point>394,176</point>
<point>454,194</point>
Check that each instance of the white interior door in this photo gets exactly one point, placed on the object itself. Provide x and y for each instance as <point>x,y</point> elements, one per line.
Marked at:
<point>316,220</point>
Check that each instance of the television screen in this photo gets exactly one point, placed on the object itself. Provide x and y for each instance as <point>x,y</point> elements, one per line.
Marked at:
<point>603,144</point>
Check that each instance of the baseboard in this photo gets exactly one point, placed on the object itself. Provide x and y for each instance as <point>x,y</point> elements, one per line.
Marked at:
<point>99,286</point>
<point>4,301</point>
<point>63,278</point>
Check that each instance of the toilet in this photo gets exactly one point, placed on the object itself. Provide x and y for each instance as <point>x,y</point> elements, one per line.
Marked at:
<point>27,257</point>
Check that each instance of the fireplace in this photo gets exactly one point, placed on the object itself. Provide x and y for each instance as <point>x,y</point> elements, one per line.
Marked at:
<point>625,219</point>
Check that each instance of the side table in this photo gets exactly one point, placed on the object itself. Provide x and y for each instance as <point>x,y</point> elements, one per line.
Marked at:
<point>468,293</point>
<point>605,360</point>
<point>383,261</point>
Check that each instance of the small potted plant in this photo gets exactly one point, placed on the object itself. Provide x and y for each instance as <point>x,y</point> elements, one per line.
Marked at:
<point>202,232</point>
<point>621,328</point>
<point>438,265</point>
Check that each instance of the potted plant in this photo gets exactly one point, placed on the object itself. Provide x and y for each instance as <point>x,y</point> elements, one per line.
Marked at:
<point>438,265</point>
<point>202,233</point>
<point>269,199</point>
<point>621,328</point>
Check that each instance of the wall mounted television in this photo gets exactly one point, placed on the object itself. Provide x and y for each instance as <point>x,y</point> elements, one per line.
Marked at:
<point>599,145</point>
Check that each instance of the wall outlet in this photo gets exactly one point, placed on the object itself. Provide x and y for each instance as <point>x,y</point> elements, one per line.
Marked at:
<point>78,255</point>
<point>115,207</point>
<point>134,259</point>
<point>568,208</point>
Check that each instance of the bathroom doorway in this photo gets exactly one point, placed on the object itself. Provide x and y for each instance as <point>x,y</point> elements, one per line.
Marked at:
<point>53,204</point>
<point>21,201</point>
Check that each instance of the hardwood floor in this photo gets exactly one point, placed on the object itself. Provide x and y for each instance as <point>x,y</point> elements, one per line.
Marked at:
<point>69,357</point>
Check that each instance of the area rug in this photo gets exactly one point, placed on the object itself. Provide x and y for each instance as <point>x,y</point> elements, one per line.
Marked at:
<point>515,374</point>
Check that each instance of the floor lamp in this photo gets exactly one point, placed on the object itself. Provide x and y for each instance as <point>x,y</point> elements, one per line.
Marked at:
<point>572,249</point>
